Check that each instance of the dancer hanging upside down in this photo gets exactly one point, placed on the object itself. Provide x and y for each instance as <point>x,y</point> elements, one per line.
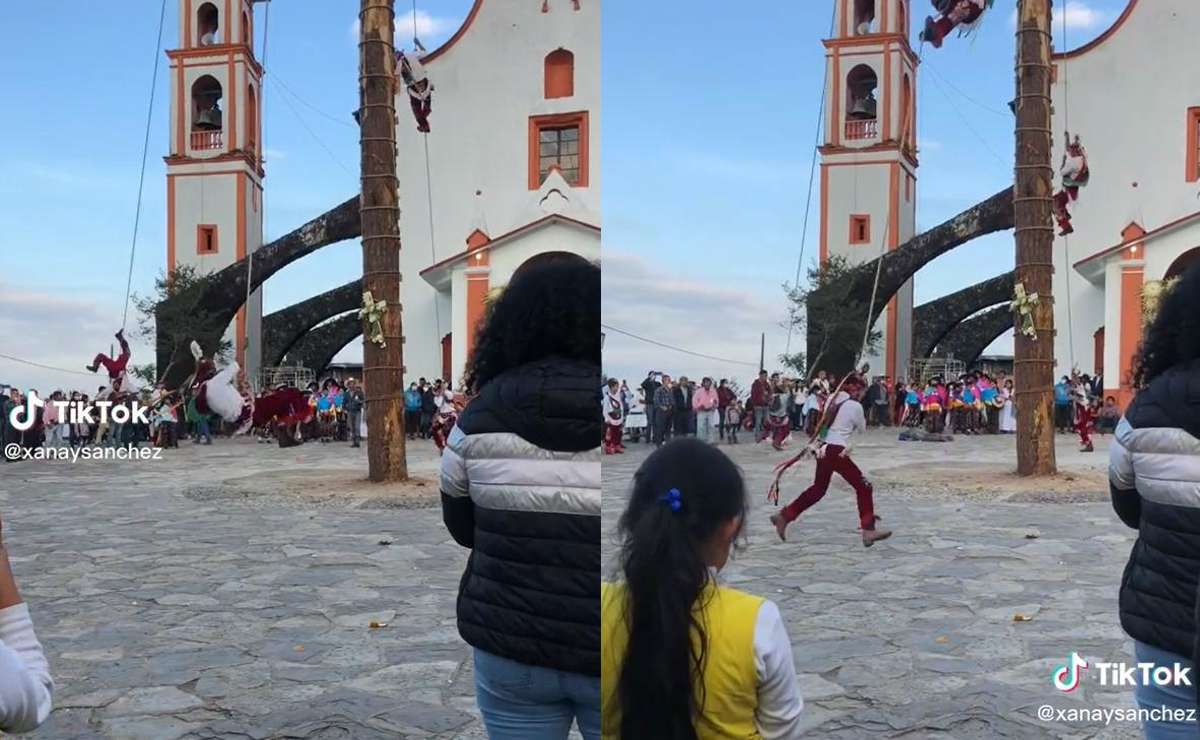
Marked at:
<point>833,456</point>
<point>416,82</point>
<point>115,368</point>
<point>962,14</point>
<point>1075,174</point>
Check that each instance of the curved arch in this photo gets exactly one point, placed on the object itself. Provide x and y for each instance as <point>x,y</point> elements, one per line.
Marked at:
<point>968,340</point>
<point>900,264</point>
<point>932,321</point>
<point>559,74</point>
<point>457,34</point>
<point>1107,34</point>
<point>283,328</point>
<point>219,296</point>
<point>316,349</point>
<point>1182,263</point>
<point>206,103</point>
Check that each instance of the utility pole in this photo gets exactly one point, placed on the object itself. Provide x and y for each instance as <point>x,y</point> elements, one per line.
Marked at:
<point>379,207</point>
<point>1034,356</point>
<point>762,352</point>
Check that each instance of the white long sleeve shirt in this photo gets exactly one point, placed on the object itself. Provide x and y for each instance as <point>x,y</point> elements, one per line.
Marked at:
<point>25,684</point>
<point>779,700</point>
<point>849,419</point>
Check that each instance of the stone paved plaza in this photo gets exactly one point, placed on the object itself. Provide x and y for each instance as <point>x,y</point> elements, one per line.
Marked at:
<point>916,637</point>
<point>168,615</point>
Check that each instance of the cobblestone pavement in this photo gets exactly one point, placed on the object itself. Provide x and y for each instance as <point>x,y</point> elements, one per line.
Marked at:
<point>916,637</point>
<point>169,617</point>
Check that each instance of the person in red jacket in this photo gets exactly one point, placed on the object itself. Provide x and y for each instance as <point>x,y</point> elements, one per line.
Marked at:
<point>760,401</point>
<point>725,398</point>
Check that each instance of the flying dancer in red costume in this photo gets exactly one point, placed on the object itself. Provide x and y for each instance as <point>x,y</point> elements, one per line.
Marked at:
<point>961,14</point>
<point>115,368</point>
<point>831,448</point>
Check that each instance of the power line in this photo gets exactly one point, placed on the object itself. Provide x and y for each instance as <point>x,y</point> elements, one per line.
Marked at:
<point>311,133</point>
<point>967,122</point>
<point>44,367</point>
<point>966,97</point>
<point>677,349</point>
<point>276,78</point>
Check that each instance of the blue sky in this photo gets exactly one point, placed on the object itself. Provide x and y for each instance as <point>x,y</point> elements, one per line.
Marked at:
<point>74,119</point>
<point>708,118</point>
<point>709,122</point>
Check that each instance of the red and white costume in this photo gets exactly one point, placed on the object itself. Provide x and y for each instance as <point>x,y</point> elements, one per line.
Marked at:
<point>614,423</point>
<point>416,82</point>
<point>1075,174</point>
<point>954,14</point>
<point>215,392</point>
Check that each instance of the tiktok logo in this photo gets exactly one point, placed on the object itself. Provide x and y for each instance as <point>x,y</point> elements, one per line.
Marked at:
<point>1066,677</point>
<point>21,417</point>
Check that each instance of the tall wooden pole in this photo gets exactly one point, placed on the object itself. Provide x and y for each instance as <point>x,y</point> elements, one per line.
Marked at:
<point>1034,361</point>
<point>379,207</point>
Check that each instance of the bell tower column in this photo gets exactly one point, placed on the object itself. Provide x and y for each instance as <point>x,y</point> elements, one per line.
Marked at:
<point>215,166</point>
<point>869,155</point>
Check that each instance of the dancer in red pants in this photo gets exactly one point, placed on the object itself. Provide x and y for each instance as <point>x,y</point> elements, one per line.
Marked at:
<point>833,456</point>
<point>954,14</point>
<point>115,368</point>
<point>1084,419</point>
<point>1075,174</point>
<point>614,419</point>
<point>416,82</point>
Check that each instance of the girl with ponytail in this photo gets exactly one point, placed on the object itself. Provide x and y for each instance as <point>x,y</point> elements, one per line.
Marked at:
<point>682,657</point>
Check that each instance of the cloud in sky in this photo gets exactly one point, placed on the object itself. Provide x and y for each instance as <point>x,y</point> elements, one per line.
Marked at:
<point>1079,17</point>
<point>58,330</point>
<point>723,319</point>
<point>426,26</point>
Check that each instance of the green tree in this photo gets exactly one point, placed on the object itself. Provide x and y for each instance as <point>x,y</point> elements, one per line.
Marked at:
<point>828,311</point>
<point>169,323</point>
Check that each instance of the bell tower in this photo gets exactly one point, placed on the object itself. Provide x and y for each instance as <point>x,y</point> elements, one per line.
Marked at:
<point>869,155</point>
<point>215,165</point>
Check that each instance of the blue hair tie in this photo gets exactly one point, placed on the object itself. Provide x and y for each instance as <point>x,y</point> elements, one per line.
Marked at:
<point>673,499</point>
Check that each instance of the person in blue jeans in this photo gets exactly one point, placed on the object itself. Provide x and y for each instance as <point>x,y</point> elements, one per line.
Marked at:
<point>1062,405</point>
<point>520,487</point>
<point>1154,481</point>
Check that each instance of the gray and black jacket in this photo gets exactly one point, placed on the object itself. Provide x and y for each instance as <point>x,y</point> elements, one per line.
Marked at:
<point>520,484</point>
<point>1154,478</point>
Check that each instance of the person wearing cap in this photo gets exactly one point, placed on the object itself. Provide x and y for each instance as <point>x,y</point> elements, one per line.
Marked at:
<point>833,456</point>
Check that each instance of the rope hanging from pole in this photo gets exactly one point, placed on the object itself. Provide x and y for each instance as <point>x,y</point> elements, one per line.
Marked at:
<point>1067,237</point>
<point>137,213</point>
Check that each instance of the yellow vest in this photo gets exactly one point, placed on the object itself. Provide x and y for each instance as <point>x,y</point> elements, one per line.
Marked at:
<point>730,680</point>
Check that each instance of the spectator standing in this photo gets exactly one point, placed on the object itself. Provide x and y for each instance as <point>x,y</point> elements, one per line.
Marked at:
<point>650,387</point>
<point>760,401</point>
<point>682,397</point>
<point>352,403</point>
<point>725,398</point>
<point>706,404</point>
<point>664,411</point>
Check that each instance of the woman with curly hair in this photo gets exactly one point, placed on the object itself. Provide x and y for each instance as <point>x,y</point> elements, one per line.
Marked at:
<point>520,483</point>
<point>1154,480</point>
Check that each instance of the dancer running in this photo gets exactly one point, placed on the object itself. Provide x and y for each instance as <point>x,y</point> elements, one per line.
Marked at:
<point>833,456</point>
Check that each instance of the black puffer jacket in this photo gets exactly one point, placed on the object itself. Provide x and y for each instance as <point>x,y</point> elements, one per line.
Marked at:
<point>1154,478</point>
<point>521,487</point>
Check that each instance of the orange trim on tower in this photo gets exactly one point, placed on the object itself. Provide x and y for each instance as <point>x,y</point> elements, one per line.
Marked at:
<point>181,114</point>
<point>824,253</point>
<point>170,225</point>
<point>478,285</point>
<point>883,16</point>
<point>845,11</point>
<point>835,113</point>
<point>887,89</point>
<point>1192,174</point>
<point>241,339</point>
<point>234,93</point>
<point>187,28</point>
<point>1131,325</point>
<point>227,31</point>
